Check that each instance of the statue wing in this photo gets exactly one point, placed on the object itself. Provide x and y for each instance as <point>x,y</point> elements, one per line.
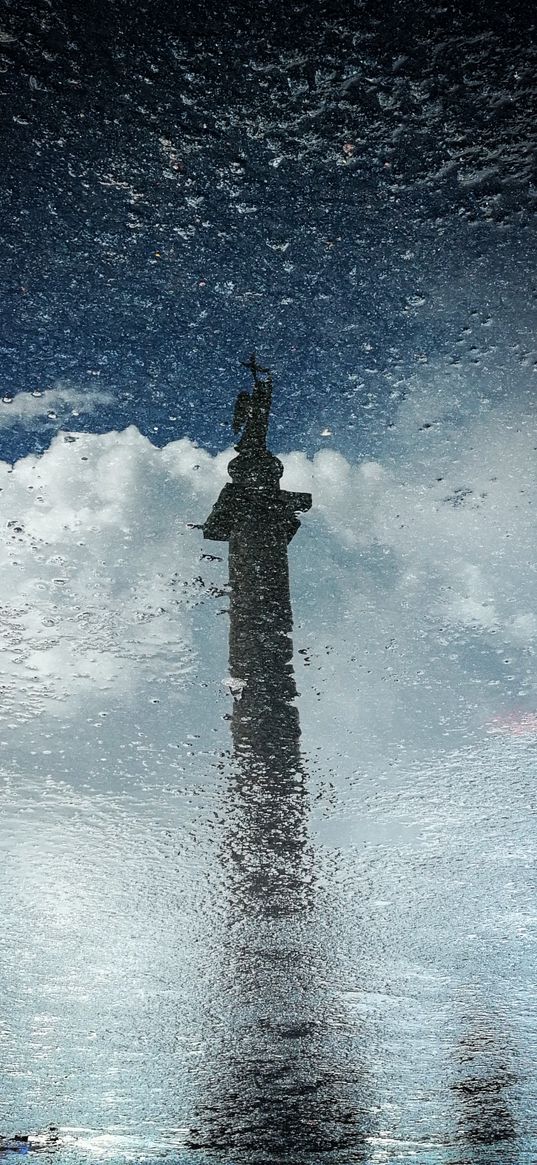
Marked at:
<point>243,406</point>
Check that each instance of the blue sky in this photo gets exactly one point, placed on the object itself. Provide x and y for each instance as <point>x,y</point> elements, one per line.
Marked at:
<point>174,197</point>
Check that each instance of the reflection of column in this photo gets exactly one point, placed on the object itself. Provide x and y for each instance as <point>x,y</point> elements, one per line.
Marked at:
<point>260,647</point>
<point>258,519</point>
<point>275,1094</point>
<point>484,1114</point>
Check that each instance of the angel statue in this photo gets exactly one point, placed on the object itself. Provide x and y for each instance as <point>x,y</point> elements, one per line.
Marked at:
<point>252,411</point>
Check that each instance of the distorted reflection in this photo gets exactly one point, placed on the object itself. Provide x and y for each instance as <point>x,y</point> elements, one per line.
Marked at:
<point>484,1108</point>
<point>277,905</point>
<point>299,928</point>
<point>277,1088</point>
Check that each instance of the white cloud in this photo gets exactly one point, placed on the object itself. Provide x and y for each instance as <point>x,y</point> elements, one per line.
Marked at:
<point>57,403</point>
<point>413,577</point>
<point>461,530</point>
<point>97,553</point>
<point>415,587</point>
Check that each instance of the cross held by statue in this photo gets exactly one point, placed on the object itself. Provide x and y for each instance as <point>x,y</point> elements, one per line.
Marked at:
<point>253,366</point>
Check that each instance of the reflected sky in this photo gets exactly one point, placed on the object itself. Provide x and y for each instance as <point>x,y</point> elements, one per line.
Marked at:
<point>267,819</point>
<point>349,189</point>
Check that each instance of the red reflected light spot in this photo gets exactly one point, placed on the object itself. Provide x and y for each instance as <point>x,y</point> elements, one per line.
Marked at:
<point>514,723</point>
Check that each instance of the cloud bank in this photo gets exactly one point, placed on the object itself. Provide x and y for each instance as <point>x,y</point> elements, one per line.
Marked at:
<point>55,404</point>
<point>413,581</point>
<point>423,579</point>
